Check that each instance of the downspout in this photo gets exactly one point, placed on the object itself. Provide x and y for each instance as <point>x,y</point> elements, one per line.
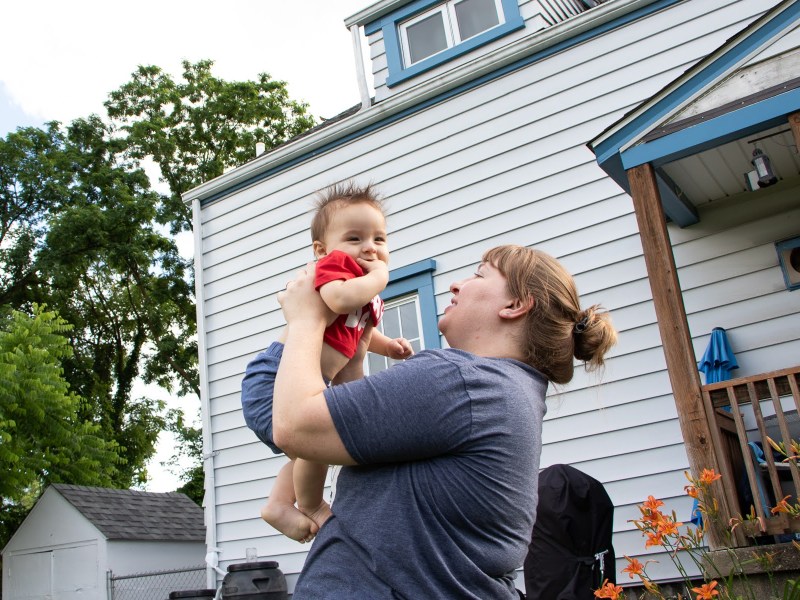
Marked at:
<point>361,75</point>
<point>209,486</point>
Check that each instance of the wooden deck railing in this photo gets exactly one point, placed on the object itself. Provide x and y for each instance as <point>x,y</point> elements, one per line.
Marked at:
<point>743,413</point>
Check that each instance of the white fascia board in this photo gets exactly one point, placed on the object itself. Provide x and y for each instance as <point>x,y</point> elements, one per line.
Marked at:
<point>536,42</point>
<point>374,11</point>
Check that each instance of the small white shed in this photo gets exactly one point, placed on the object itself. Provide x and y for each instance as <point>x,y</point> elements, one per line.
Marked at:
<point>75,535</point>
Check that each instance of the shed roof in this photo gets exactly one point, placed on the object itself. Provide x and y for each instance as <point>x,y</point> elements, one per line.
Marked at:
<point>135,515</point>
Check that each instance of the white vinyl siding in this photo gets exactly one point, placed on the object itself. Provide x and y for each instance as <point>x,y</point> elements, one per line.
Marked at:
<point>507,162</point>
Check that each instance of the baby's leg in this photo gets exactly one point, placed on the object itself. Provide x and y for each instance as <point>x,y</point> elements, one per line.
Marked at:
<point>309,481</point>
<point>281,513</point>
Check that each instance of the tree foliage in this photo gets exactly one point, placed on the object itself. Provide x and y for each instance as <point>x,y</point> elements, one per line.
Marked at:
<point>80,238</point>
<point>83,232</point>
<point>43,438</point>
<point>195,128</point>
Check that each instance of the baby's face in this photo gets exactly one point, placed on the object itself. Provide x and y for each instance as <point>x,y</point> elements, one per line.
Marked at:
<point>358,230</point>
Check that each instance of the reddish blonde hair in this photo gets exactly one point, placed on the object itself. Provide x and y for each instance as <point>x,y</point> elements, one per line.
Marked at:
<point>557,329</point>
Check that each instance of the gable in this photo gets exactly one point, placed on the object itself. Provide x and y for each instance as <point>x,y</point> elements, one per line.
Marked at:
<point>52,522</point>
<point>745,87</point>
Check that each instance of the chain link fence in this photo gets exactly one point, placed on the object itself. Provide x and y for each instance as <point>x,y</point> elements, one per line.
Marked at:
<point>155,585</point>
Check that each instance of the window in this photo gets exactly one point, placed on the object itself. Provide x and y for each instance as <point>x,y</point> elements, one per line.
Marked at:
<point>446,25</point>
<point>410,311</point>
<point>401,318</point>
<point>426,33</point>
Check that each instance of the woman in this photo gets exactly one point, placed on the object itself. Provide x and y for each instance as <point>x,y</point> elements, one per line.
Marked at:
<point>441,452</point>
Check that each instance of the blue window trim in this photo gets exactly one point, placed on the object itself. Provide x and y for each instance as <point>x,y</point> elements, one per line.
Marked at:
<point>782,247</point>
<point>417,278</point>
<point>394,54</point>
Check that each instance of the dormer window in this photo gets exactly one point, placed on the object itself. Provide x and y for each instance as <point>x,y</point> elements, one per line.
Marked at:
<point>424,34</point>
<point>445,26</point>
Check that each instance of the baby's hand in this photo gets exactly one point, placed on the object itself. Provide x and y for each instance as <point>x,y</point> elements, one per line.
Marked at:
<point>399,348</point>
<point>370,266</point>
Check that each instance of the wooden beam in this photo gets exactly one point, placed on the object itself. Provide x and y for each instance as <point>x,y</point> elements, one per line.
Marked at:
<point>674,329</point>
<point>794,123</point>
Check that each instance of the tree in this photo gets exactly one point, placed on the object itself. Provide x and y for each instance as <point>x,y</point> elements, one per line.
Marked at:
<point>195,129</point>
<point>43,439</point>
<point>80,237</point>
<point>82,231</point>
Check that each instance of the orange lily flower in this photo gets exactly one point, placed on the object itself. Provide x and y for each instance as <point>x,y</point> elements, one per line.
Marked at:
<point>708,476</point>
<point>782,506</point>
<point>634,567</point>
<point>654,539</point>
<point>706,591</point>
<point>608,590</point>
<point>668,527</point>
<point>652,504</point>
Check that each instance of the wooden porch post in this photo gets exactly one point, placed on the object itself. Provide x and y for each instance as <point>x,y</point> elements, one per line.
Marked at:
<point>674,329</point>
<point>794,123</point>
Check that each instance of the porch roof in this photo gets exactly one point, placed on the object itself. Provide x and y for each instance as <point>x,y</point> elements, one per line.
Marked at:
<point>699,131</point>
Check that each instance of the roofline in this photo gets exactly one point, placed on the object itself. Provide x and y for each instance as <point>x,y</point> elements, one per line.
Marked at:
<point>714,132</point>
<point>373,12</point>
<point>535,46</point>
<point>681,91</point>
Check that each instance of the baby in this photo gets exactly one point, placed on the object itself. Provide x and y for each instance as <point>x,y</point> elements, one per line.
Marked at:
<point>349,242</point>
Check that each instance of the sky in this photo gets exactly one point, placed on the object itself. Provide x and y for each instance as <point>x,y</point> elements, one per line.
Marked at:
<point>60,60</point>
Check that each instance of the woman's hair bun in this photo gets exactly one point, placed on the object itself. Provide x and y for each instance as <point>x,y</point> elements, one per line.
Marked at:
<point>594,335</point>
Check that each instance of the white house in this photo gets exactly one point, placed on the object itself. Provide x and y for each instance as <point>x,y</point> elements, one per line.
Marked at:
<point>520,129</point>
<point>75,536</point>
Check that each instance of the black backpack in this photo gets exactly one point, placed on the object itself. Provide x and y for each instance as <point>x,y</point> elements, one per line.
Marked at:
<point>570,553</point>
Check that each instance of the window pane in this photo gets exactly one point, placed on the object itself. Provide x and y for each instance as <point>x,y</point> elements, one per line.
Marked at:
<point>475,16</point>
<point>426,37</point>
<point>376,362</point>
<point>400,319</point>
<point>408,317</point>
<point>391,323</point>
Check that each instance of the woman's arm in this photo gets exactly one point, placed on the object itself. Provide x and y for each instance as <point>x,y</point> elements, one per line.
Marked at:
<point>302,423</point>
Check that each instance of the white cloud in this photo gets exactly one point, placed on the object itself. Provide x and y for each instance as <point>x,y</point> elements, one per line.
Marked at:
<point>59,60</point>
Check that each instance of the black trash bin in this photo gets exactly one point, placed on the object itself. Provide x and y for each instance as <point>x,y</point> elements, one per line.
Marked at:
<point>193,595</point>
<point>254,581</point>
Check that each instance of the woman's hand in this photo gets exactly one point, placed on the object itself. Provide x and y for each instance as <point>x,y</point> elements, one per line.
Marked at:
<point>300,301</point>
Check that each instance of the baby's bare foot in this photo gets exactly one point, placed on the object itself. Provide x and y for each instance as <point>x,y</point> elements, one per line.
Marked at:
<point>292,523</point>
<point>319,515</point>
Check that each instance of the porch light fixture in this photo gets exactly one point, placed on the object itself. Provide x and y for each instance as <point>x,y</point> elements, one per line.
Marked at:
<point>766,176</point>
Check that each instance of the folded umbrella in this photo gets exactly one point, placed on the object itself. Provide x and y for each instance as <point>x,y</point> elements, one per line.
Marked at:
<point>718,360</point>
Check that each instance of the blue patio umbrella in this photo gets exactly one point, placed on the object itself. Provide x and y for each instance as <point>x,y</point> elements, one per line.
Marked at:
<point>718,360</point>
<point>717,363</point>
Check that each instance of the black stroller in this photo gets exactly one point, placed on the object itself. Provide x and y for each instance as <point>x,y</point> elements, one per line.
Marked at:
<point>570,553</point>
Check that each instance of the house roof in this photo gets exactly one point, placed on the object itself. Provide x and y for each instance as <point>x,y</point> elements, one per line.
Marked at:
<point>135,515</point>
<point>747,87</point>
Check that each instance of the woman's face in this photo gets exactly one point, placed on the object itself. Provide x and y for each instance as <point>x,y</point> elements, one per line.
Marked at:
<point>475,308</point>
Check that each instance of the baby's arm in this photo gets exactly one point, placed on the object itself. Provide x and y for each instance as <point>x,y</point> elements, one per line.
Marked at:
<point>397,348</point>
<point>346,296</point>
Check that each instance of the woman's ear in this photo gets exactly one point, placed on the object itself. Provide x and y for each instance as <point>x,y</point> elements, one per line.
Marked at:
<point>319,249</point>
<point>517,308</point>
